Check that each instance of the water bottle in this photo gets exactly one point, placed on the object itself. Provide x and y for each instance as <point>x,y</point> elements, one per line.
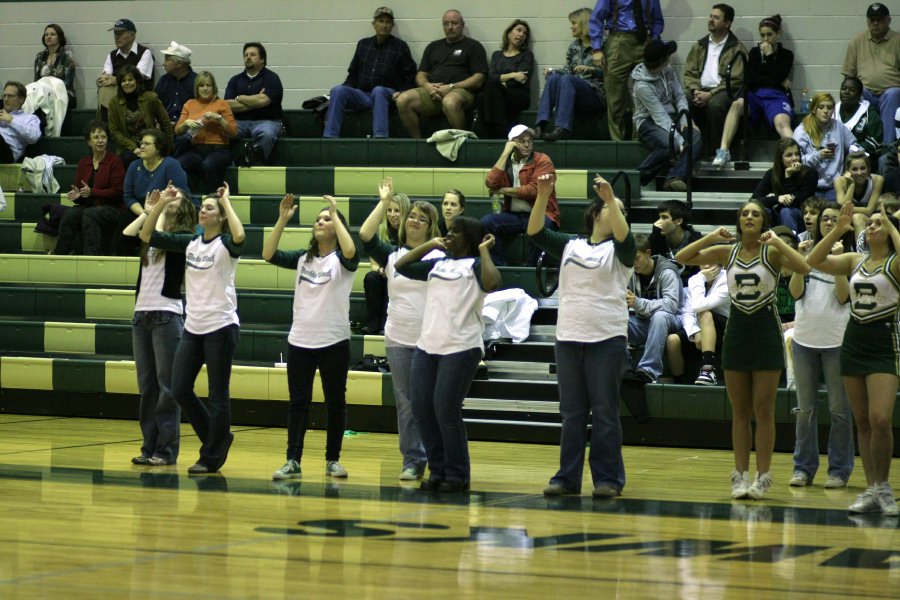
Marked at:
<point>804,100</point>
<point>496,203</point>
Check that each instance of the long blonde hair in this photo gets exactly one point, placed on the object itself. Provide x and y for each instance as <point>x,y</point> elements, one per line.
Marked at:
<point>384,230</point>
<point>810,124</point>
<point>582,17</point>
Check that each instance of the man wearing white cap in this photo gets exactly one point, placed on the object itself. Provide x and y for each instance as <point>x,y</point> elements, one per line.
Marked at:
<point>514,177</point>
<point>872,57</point>
<point>381,68</point>
<point>177,86</point>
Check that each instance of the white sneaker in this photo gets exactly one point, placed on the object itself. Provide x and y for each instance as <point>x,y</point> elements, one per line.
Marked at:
<point>800,479</point>
<point>759,488</point>
<point>722,157</point>
<point>885,496</point>
<point>866,502</point>
<point>334,469</point>
<point>740,484</point>
<point>834,482</point>
<point>290,470</point>
<point>410,474</point>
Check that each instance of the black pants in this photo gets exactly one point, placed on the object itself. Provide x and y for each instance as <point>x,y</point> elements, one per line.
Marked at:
<point>375,286</point>
<point>499,107</point>
<point>6,155</point>
<point>81,229</point>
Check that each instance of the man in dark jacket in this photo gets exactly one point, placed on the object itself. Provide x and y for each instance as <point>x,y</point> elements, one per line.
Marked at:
<point>672,232</point>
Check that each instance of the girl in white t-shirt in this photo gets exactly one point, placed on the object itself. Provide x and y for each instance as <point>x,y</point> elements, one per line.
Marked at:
<point>591,337</point>
<point>404,313</point>
<point>320,332</point>
<point>450,345</point>
<point>156,329</point>
<point>822,313</point>
<point>212,328</point>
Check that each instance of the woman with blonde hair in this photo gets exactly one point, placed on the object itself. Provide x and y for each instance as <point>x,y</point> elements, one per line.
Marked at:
<point>824,142</point>
<point>578,86</point>
<point>211,125</point>
<point>375,282</point>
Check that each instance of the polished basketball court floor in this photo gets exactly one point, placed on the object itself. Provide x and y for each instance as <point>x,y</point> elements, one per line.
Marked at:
<point>77,520</point>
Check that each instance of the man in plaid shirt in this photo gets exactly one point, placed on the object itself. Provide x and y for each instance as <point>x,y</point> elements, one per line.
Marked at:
<point>381,68</point>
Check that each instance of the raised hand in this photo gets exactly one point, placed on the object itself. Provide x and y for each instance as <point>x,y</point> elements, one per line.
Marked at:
<point>386,189</point>
<point>768,238</point>
<point>287,208</point>
<point>487,243</point>
<point>151,199</point>
<point>224,191</point>
<point>332,206</point>
<point>603,189</point>
<point>545,184</point>
<point>845,219</point>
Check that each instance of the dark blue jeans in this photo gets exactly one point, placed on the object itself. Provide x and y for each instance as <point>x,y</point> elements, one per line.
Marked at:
<point>568,93</point>
<point>346,97</point>
<point>656,139</point>
<point>155,336</point>
<point>588,376</point>
<point>504,226</point>
<point>438,386</point>
<point>213,424</point>
<point>333,363</point>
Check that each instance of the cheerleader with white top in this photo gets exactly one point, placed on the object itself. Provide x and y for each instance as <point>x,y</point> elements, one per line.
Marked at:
<point>870,352</point>
<point>320,332</point>
<point>450,345</point>
<point>212,327</point>
<point>404,313</point>
<point>591,337</point>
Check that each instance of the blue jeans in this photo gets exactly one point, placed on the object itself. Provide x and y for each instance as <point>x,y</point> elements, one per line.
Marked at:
<point>588,376</point>
<point>400,358</point>
<point>789,216</point>
<point>437,391</point>
<point>345,97</point>
<point>505,225</point>
<point>568,93</point>
<point>154,338</point>
<point>886,104</point>
<point>651,333</point>
<point>264,133</point>
<point>212,425</point>
<point>333,363</point>
<point>656,139</point>
<point>810,364</point>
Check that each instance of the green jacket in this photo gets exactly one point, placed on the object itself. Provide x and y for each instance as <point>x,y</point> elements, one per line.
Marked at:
<point>154,117</point>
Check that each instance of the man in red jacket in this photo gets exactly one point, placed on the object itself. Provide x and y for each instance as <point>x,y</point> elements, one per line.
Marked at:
<point>514,179</point>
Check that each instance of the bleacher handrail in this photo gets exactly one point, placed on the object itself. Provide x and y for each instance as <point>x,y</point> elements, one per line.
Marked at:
<point>689,148</point>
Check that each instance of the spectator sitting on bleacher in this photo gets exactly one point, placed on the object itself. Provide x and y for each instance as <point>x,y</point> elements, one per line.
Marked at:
<point>96,194</point>
<point>208,122</point>
<point>860,117</point>
<point>672,232</point>
<point>658,98</point>
<point>56,60</point>
<point>127,52</point>
<point>453,204</point>
<point>175,88</point>
<point>514,176</point>
<point>154,171</point>
<point>507,90</point>
<point>811,208</point>
<point>824,143</point>
<point>654,297</point>
<point>767,89</point>
<point>382,68</point>
<point>133,110</point>
<point>704,74</point>
<point>254,97</point>
<point>450,74</point>
<point>891,203</point>
<point>785,187</point>
<point>892,171</point>
<point>859,186</point>
<point>872,56</point>
<point>17,129</point>
<point>577,86</point>
<point>703,318</point>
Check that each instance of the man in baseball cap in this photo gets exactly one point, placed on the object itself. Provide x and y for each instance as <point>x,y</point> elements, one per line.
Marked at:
<point>872,57</point>
<point>514,177</point>
<point>381,68</point>
<point>127,52</point>
<point>177,86</point>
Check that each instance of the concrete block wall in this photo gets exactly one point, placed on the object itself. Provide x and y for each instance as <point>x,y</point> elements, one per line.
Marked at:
<point>310,42</point>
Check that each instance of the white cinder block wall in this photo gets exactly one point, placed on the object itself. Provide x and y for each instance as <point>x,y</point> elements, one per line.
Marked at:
<point>310,42</point>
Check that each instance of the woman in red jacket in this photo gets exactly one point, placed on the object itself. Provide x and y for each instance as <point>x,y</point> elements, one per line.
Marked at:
<point>97,194</point>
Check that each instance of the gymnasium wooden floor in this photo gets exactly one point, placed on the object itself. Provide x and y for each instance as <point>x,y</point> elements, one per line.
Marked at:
<point>77,520</point>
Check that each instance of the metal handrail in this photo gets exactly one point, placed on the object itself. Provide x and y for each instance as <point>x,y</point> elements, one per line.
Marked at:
<point>734,94</point>
<point>547,273</point>
<point>689,147</point>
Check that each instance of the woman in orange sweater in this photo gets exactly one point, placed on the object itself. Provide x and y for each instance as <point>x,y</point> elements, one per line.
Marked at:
<point>210,123</point>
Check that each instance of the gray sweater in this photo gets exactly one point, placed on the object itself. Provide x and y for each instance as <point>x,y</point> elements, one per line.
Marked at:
<point>657,96</point>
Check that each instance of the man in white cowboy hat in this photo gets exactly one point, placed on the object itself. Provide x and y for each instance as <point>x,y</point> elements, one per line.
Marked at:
<point>177,86</point>
<point>514,177</point>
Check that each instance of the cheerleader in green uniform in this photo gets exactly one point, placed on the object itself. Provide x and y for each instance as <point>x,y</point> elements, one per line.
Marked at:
<point>752,350</point>
<point>870,354</point>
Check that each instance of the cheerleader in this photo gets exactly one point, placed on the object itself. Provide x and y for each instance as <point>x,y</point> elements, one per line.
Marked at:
<point>753,350</point>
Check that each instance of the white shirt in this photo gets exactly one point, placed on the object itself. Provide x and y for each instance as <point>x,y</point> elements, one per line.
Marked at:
<point>820,320</point>
<point>452,320</point>
<point>144,66</point>
<point>150,296</point>
<point>209,280</point>
<point>406,297</point>
<point>321,301</point>
<point>699,300</point>
<point>710,76</point>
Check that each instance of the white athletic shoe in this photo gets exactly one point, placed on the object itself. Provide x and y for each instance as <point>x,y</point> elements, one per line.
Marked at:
<point>759,488</point>
<point>740,484</point>
<point>885,496</point>
<point>866,502</point>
